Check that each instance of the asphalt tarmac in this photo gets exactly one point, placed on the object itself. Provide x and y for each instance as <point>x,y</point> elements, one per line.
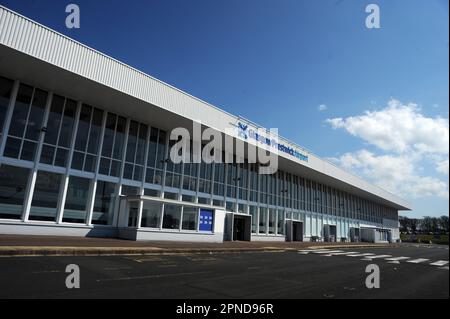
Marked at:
<point>408,271</point>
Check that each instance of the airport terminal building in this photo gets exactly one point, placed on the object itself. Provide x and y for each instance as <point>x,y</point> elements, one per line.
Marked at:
<point>84,151</point>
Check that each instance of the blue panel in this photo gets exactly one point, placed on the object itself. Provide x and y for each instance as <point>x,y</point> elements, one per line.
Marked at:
<point>206,220</point>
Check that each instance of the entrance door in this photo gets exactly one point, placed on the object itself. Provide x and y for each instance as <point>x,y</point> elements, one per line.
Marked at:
<point>297,231</point>
<point>329,232</point>
<point>333,233</point>
<point>133,208</point>
<point>354,235</point>
<point>241,227</point>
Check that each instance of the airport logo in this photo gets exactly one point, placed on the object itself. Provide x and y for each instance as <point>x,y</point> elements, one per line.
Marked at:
<point>244,132</point>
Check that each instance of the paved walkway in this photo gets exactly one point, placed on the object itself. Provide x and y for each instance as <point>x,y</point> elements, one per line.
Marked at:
<point>66,241</point>
<point>61,245</point>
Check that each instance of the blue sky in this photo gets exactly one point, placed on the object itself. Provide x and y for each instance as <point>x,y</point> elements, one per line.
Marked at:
<point>276,62</point>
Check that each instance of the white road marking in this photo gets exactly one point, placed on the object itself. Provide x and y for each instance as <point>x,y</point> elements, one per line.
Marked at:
<point>341,253</point>
<point>361,255</point>
<point>417,261</point>
<point>397,258</point>
<point>440,263</point>
<point>376,257</point>
<point>328,252</point>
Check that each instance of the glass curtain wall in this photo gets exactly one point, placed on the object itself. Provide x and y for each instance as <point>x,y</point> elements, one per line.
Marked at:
<point>237,187</point>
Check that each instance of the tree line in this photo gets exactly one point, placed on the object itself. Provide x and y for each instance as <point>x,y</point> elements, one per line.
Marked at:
<point>426,225</point>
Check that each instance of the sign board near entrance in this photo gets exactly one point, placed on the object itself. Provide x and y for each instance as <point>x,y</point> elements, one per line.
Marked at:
<point>206,220</point>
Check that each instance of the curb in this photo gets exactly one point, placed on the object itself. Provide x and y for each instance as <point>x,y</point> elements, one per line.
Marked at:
<point>35,251</point>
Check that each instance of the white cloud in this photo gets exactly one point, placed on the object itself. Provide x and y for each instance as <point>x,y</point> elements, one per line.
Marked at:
<point>398,128</point>
<point>395,173</point>
<point>408,141</point>
<point>442,166</point>
<point>322,107</point>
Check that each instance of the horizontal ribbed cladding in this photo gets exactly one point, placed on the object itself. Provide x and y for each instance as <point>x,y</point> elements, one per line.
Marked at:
<point>29,37</point>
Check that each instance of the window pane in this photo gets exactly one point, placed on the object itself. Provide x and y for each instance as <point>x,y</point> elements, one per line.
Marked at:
<point>54,120</point>
<point>130,190</point>
<point>115,168</point>
<point>83,128</point>
<point>152,147</point>
<point>5,93</point>
<point>262,220</point>
<point>169,195</point>
<point>47,154</point>
<point>45,196</point>
<point>172,214</point>
<point>77,160</point>
<point>131,144</point>
<point>76,200</point>
<point>13,184</point>
<point>94,134</point>
<point>128,171</point>
<point>120,138</point>
<point>65,136</point>
<point>28,151</point>
<point>105,197</point>
<point>22,105</point>
<point>133,208</point>
<point>151,214</point>
<point>190,218</point>
<point>140,153</point>
<point>158,177</point>
<point>149,175</point>
<point>61,157</point>
<point>151,192</point>
<point>137,173</point>
<point>280,226</point>
<point>108,137</point>
<point>161,150</point>
<point>253,210</point>
<point>36,115</point>
<point>12,147</point>
<point>272,220</point>
<point>89,163</point>
<point>104,166</point>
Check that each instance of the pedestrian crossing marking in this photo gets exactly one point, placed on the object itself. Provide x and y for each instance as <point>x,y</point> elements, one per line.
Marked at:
<point>361,255</point>
<point>397,258</point>
<point>417,261</point>
<point>440,263</point>
<point>341,253</point>
<point>376,257</point>
<point>328,252</point>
